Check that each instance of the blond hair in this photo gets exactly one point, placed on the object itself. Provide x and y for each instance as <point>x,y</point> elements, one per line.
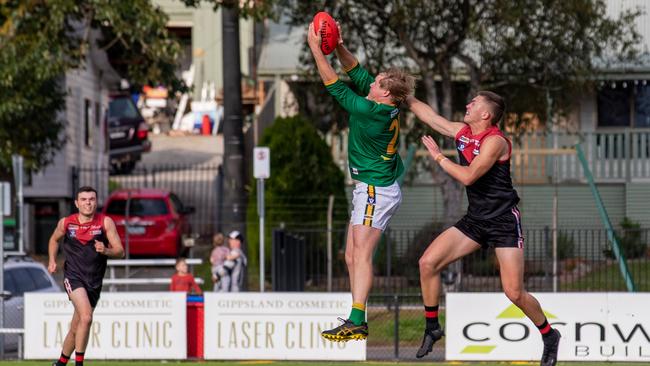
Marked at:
<point>399,83</point>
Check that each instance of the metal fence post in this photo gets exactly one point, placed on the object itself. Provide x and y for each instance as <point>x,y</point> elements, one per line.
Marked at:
<point>627,154</point>
<point>389,255</point>
<point>396,328</point>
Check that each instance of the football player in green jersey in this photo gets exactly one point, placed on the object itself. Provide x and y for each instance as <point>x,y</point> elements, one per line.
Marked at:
<point>374,165</point>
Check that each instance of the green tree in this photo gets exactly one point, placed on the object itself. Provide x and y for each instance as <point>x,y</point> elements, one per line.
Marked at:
<point>303,176</point>
<point>41,40</point>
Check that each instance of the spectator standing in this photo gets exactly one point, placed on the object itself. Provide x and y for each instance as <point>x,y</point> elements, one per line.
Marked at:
<point>235,263</point>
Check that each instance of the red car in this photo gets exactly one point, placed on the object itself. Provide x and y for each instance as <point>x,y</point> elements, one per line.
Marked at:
<point>157,221</point>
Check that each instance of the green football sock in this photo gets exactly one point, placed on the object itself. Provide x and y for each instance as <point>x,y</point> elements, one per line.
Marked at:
<point>358,313</point>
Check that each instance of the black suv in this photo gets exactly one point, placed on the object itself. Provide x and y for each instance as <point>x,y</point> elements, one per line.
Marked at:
<point>127,133</point>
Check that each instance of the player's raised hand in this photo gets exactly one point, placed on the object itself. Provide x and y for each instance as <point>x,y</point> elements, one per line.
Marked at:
<point>431,145</point>
<point>100,247</point>
<point>314,38</point>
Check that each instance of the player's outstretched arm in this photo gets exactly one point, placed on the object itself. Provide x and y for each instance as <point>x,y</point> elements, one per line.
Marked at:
<point>53,245</point>
<point>325,70</point>
<point>115,249</point>
<point>426,114</point>
<point>492,149</point>
<point>346,58</point>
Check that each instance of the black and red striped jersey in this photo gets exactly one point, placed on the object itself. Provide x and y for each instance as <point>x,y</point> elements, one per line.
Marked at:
<point>492,194</point>
<point>82,262</point>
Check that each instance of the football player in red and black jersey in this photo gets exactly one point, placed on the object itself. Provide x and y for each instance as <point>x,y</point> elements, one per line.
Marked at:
<point>492,218</point>
<point>89,239</point>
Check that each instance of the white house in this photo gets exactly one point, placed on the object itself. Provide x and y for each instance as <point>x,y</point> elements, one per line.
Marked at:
<point>48,193</point>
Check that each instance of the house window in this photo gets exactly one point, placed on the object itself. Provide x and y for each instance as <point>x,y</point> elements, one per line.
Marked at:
<point>622,105</point>
<point>88,127</point>
<point>614,107</point>
<point>98,116</point>
<point>642,106</point>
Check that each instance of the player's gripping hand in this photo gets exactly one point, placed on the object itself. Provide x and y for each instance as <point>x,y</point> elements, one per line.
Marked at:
<point>340,42</point>
<point>100,247</point>
<point>314,38</point>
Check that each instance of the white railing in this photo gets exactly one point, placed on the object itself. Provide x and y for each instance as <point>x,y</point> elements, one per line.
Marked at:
<point>113,281</point>
<point>614,155</point>
<point>21,333</point>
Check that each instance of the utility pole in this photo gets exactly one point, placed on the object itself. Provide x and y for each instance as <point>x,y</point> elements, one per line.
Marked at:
<point>234,199</point>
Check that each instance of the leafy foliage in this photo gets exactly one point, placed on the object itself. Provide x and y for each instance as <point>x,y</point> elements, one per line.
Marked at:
<point>565,245</point>
<point>549,52</point>
<point>535,45</point>
<point>41,40</point>
<point>256,9</point>
<point>303,176</point>
<point>632,244</point>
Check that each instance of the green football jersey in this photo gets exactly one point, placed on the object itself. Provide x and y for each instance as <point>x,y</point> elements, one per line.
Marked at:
<point>374,131</point>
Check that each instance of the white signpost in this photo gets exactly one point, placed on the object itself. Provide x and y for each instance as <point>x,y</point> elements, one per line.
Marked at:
<point>276,326</point>
<point>5,210</point>
<point>128,325</point>
<point>261,171</point>
<point>18,167</point>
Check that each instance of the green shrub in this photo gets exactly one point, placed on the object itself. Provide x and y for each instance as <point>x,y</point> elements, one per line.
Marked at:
<point>565,245</point>
<point>630,240</point>
<point>303,175</point>
<point>113,186</point>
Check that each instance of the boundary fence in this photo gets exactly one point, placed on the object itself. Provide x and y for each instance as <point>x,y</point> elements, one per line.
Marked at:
<point>584,261</point>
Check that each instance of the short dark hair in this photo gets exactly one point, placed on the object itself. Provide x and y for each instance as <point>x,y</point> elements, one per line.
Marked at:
<point>86,189</point>
<point>497,103</point>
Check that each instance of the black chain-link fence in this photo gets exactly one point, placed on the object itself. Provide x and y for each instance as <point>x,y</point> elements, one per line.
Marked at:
<point>396,327</point>
<point>583,261</point>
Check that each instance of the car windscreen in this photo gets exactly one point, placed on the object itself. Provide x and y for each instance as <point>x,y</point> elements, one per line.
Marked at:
<point>23,281</point>
<point>138,207</point>
<point>122,108</point>
<point>39,277</point>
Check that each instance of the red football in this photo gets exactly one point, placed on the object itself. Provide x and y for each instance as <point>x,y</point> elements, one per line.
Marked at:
<point>329,31</point>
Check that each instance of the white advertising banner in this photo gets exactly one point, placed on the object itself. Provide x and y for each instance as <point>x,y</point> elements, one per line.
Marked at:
<point>133,325</point>
<point>276,326</point>
<point>594,327</point>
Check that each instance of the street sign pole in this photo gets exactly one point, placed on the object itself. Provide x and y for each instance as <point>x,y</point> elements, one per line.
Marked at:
<point>18,163</point>
<point>260,212</point>
<point>261,171</point>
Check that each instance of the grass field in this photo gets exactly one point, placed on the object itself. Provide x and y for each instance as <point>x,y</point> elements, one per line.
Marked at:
<point>313,363</point>
<point>610,278</point>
